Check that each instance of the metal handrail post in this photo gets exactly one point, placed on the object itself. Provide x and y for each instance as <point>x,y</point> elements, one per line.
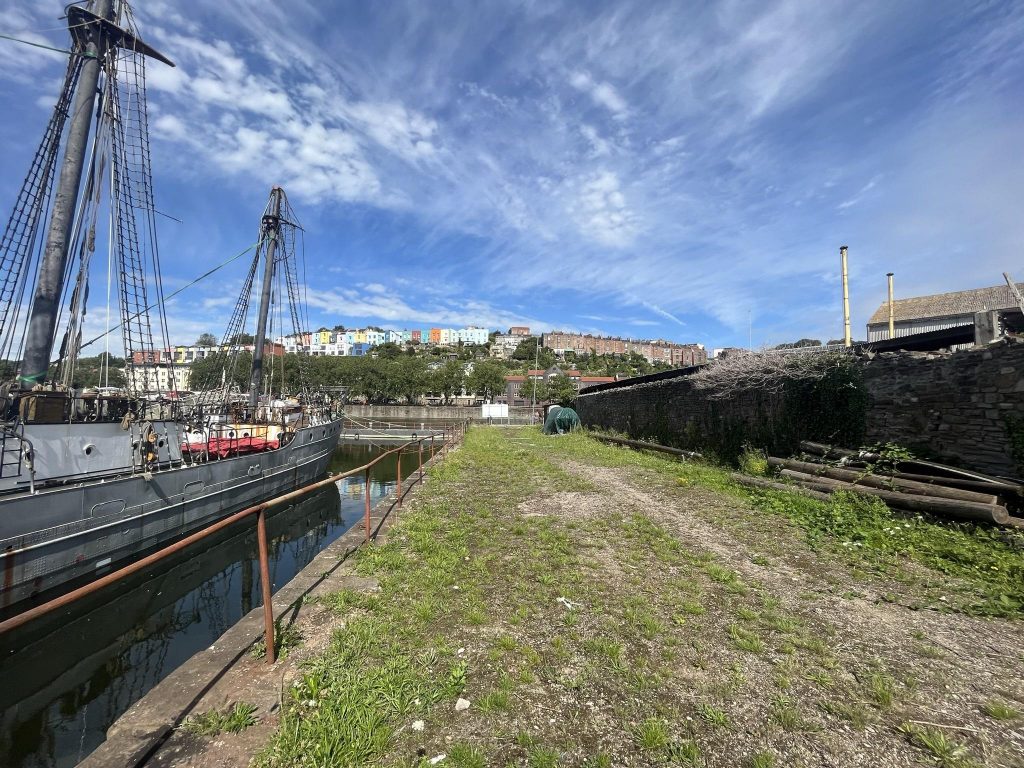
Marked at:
<point>268,605</point>
<point>399,478</point>
<point>366,495</point>
<point>421,460</point>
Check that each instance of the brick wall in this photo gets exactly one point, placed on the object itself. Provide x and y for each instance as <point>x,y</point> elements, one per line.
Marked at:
<point>952,406</point>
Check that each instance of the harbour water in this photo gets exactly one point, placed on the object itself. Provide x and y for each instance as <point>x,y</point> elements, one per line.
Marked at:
<point>70,675</point>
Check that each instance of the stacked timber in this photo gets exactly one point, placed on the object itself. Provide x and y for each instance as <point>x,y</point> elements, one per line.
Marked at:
<point>911,484</point>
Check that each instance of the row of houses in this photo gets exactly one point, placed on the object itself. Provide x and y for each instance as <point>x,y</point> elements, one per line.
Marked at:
<point>361,340</point>
<point>655,351</point>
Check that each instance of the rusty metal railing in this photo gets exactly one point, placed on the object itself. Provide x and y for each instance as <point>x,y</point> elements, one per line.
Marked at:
<point>451,435</point>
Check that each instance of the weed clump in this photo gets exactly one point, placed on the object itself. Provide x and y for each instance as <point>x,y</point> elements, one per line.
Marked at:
<point>233,720</point>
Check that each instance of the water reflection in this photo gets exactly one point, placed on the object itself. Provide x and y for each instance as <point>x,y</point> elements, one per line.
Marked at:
<point>67,677</point>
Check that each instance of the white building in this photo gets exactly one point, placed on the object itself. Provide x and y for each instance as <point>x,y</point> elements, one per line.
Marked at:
<point>473,335</point>
<point>157,377</point>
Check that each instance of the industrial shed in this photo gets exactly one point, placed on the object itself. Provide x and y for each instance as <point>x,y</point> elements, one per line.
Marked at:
<point>922,314</point>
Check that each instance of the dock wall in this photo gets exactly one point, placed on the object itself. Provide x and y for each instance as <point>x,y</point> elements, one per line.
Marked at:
<point>520,415</point>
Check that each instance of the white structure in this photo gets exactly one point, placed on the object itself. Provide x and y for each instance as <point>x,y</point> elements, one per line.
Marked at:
<point>339,348</point>
<point>156,377</point>
<point>472,335</point>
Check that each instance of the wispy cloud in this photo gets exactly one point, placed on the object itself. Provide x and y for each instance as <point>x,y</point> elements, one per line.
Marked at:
<point>591,159</point>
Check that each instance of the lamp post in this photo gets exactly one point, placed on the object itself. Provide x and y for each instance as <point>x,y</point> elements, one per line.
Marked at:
<point>536,364</point>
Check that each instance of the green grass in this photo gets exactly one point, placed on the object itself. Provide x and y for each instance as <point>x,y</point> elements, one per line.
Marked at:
<point>786,714</point>
<point>944,751</point>
<point>467,756</point>
<point>286,639</point>
<point>713,715</point>
<point>881,689</point>
<point>762,760</point>
<point>999,710</point>
<point>683,753</point>
<point>493,702</point>
<point>860,529</point>
<point>652,735</point>
<point>745,639</point>
<point>234,720</point>
<point>692,607</point>
<point>543,757</point>
<point>409,649</point>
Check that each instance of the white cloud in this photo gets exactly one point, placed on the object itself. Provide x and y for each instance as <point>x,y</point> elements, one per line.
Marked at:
<point>603,93</point>
<point>601,212</point>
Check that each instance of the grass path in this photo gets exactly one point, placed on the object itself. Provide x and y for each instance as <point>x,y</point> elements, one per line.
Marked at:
<point>598,607</point>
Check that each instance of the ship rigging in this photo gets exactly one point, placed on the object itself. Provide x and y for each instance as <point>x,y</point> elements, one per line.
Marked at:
<point>91,478</point>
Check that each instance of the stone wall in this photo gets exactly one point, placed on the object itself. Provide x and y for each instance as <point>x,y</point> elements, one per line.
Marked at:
<point>957,407</point>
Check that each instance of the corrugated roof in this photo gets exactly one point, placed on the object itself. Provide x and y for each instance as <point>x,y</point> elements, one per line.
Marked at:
<point>947,304</point>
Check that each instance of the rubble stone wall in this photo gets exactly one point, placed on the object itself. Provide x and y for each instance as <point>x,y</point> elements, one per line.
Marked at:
<point>963,407</point>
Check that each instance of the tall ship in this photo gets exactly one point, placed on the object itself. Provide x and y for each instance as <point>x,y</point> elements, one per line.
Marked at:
<point>93,477</point>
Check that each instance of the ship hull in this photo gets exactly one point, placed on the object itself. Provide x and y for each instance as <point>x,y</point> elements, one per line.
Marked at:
<point>92,526</point>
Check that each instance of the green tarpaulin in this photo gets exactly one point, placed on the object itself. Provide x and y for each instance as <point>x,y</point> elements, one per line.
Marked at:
<point>561,420</point>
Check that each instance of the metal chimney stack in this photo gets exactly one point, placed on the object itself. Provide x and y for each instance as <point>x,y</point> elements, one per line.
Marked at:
<point>846,298</point>
<point>892,309</point>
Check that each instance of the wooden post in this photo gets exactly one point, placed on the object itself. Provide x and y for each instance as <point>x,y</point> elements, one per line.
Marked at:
<point>366,496</point>
<point>268,605</point>
<point>421,460</point>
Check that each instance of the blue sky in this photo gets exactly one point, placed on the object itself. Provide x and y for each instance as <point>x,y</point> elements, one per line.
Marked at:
<point>644,169</point>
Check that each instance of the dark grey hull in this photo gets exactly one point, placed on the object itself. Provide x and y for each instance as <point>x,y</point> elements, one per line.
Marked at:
<point>81,529</point>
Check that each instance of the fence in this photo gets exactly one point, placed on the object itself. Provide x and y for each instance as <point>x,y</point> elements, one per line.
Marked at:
<point>438,445</point>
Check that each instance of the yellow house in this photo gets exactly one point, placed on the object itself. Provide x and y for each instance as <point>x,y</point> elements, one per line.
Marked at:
<point>325,337</point>
<point>359,336</point>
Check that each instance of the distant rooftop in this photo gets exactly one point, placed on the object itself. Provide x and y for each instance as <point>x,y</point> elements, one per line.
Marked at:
<point>947,304</point>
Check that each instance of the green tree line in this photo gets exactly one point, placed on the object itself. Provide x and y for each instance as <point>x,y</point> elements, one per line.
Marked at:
<point>392,379</point>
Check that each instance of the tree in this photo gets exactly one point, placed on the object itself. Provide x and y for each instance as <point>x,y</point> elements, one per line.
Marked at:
<point>207,372</point>
<point>414,378</point>
<point>448,380</point>
<point>242,338</point>
<point>528,352</point>
<point>487,379</point>
<point>542,390</point>
<point>388,350</point>
<point>206,340</point>
<point>562,390</point>
<point>799,344</point>
<point>526,349</point>
<point>89,371</point>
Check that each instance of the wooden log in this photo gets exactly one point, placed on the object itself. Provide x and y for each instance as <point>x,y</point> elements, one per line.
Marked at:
<point>961,510</point>
<point>760,482</point>
<point>919,466</point>
<point>834,452</point>
<point>954,482</point>
<point>884,482</point>
<point>912,466</point>
<point>648,446</point>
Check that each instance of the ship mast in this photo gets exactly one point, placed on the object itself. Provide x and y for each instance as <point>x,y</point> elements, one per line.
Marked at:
<point>46,302</point>
<point>94,33</point>
<point>271,230</point>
